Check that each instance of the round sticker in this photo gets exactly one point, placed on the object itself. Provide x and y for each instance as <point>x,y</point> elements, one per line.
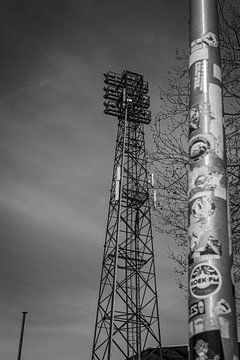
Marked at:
<point>198,148</point>
<point>205,280</point>
<point>223,307</point>
<point>203,207</point>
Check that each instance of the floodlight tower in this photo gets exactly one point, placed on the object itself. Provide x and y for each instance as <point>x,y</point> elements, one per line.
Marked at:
<point>127,320</point>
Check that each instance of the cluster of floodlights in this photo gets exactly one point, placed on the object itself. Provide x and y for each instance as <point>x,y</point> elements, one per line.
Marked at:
<point>127,89</point>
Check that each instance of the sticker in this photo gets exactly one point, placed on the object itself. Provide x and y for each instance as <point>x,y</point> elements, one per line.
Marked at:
<point>206,345</point>
<point>198,75</point>
<point>196,45</point>
<point>201,349</point>
<point>203,179</point>
<point>198,148</point>
<point>205,240</point>
<point>229,227</point>
<point>202,207</point>
<point>194,116</point>
<point>224,327</point>
<point>210,39</point>
<point>190,328</point>
<point>223,307</point>
<point>204,182</point>
<point>198,326</point>
<point>197,308</point>
<point>217,72</point>
<point>212,141</point>
<point>211,322</point>
<point>233,275</point>
<point>197,55</point>
<point>205,280</point>
<point>216,123</point>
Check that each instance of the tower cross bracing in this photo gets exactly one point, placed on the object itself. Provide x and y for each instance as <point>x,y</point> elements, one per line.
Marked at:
<point>127,320</point>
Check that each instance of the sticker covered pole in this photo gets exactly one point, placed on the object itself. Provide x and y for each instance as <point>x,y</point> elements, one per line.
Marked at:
<point>212,314</point>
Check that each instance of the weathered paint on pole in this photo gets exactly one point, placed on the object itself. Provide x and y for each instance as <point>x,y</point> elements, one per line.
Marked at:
<point>212,314</point>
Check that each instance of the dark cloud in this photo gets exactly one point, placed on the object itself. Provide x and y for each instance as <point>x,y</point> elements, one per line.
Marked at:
<point>30,30</point>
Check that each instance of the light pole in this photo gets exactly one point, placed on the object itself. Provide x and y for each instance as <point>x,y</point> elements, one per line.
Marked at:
<point>212,314</point>
<point>21,335</point>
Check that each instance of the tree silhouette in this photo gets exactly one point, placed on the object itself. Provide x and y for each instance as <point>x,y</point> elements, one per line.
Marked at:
<point>169,157</point>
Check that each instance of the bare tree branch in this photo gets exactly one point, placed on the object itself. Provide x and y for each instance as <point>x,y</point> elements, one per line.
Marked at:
<point>169,157</point>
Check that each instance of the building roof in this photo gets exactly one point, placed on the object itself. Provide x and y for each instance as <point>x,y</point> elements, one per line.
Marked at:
<point>175,352</point>
<point>179,352</point>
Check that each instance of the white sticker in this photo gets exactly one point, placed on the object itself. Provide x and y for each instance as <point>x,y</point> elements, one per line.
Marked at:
<point>202,179</point>
<point>216,124</point>
<point>198,75</point>
<point>198,147</point>
<point>198,325</point>
<point>200,54</point>
<point>196,45</point>
<point>190,329</point>
<point>224,327</point>
<point>206,242</point>
<point>223,307</point>
<point>217,72</point>
<point>205,280</point>
<point>229,227</point>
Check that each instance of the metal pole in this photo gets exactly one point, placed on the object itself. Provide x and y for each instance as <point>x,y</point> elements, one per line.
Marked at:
<point>21,335</point>
<point>212,314</point>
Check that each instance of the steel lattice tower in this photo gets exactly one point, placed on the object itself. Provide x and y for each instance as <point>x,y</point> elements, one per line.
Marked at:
<point>127,320</point>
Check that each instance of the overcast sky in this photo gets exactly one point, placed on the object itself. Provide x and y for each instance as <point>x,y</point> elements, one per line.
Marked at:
<point>56,158</point>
